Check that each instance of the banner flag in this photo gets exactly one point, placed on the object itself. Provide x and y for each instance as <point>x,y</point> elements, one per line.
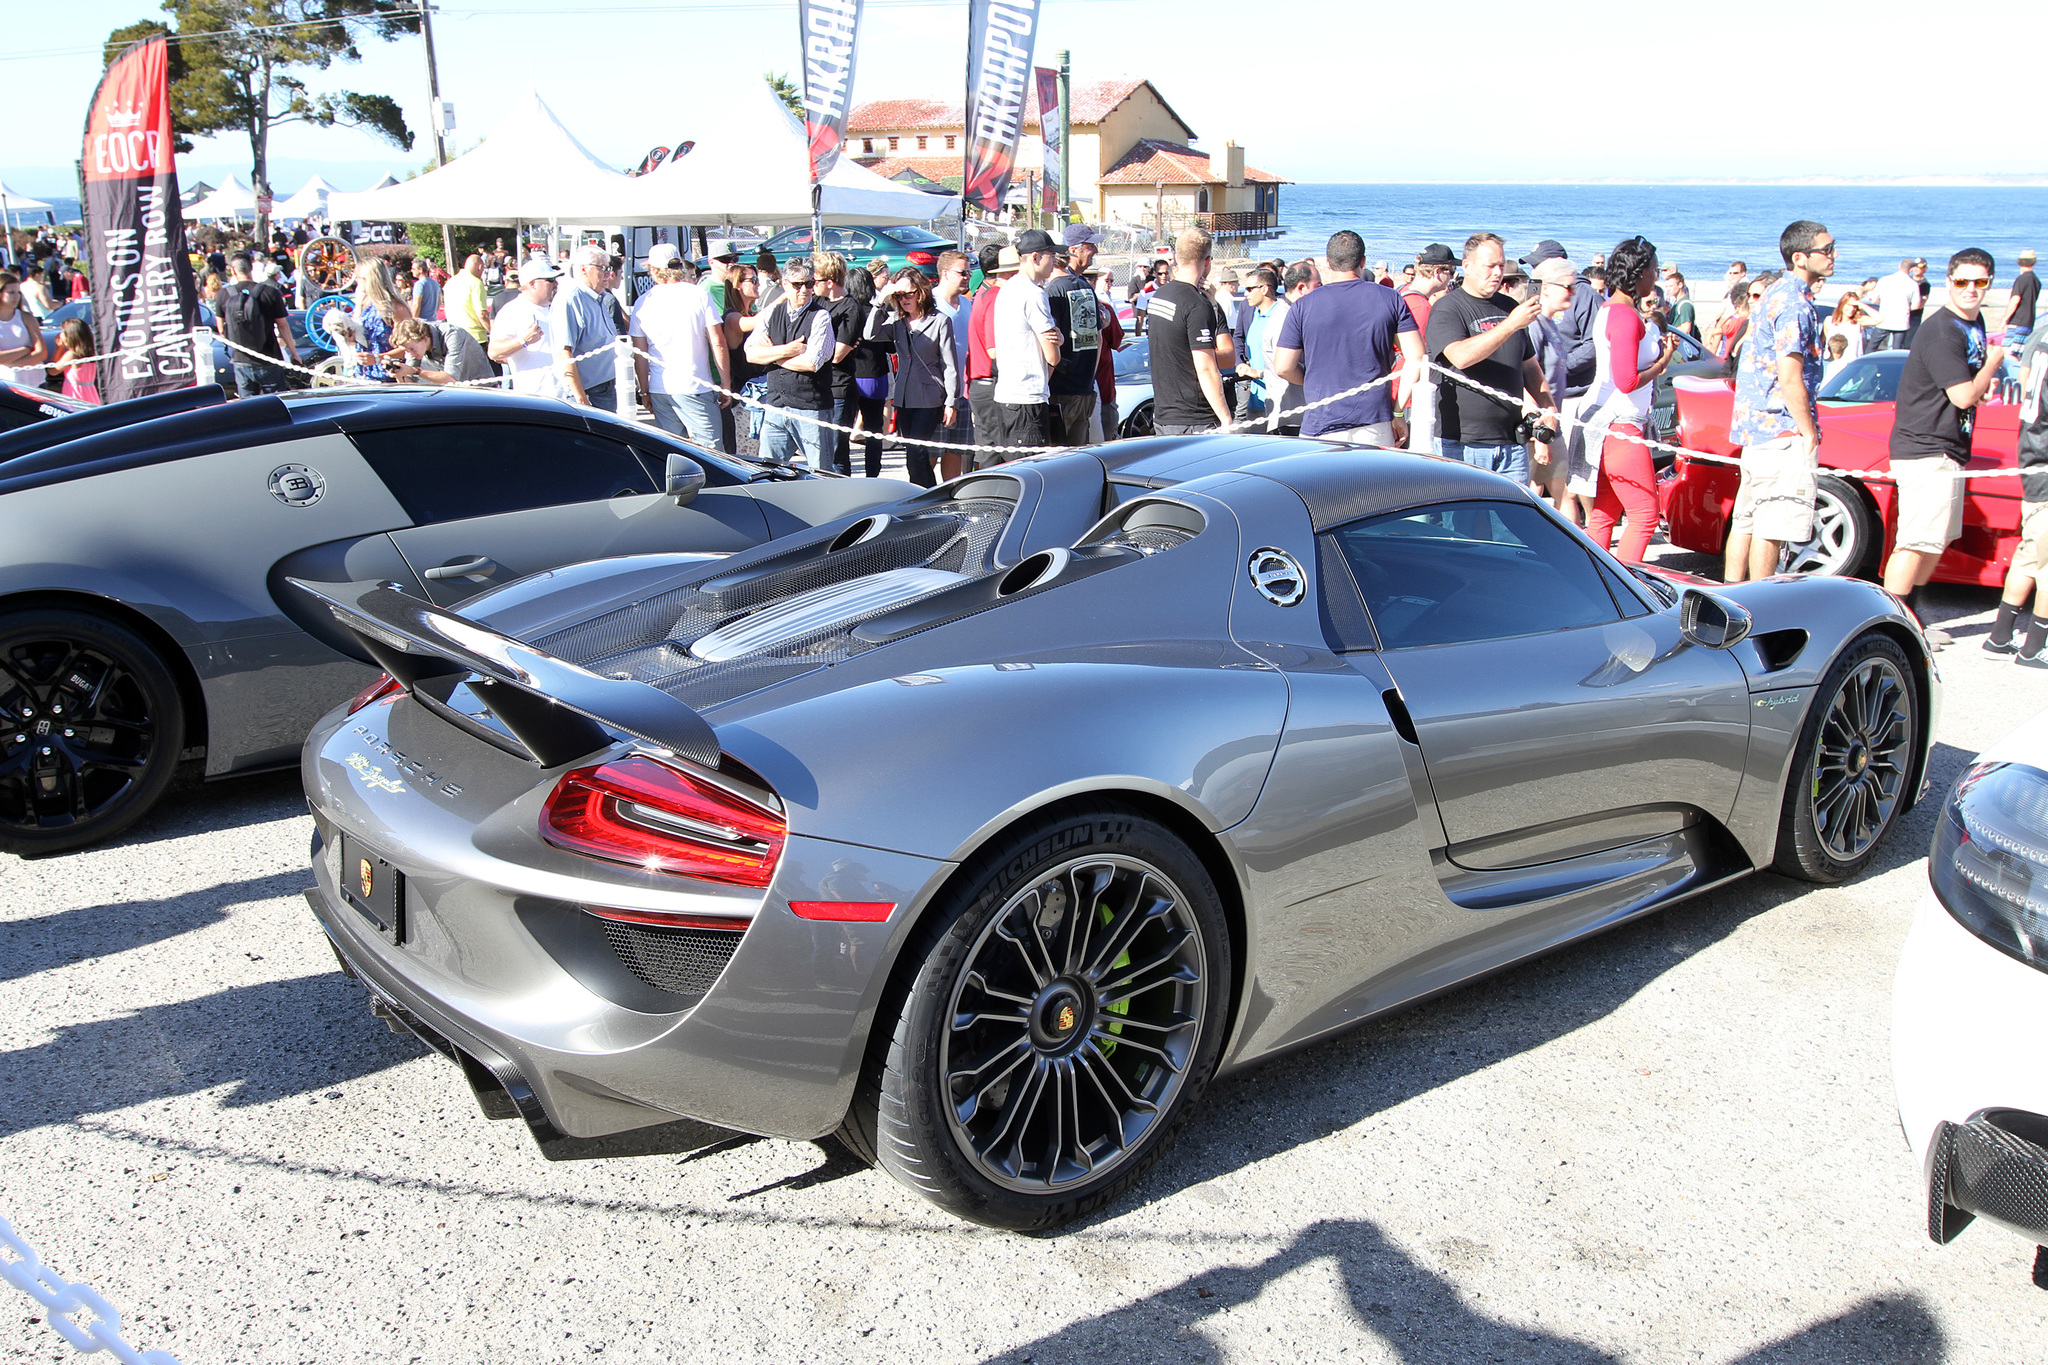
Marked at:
<point>999,38</point>
<point>1048,80</point>
<point>143,296</point>
<point>831,32</point>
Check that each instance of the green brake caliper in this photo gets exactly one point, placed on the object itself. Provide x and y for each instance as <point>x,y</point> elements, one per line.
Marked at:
<point>1123,960</point>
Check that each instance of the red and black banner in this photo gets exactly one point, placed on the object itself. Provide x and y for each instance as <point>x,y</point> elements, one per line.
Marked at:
<point>1049,133</point>
<point>999,38</point>
<point>144,301</point>
<point>831,33</point>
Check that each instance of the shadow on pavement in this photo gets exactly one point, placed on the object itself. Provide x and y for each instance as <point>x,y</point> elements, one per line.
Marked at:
<point>33,945</point>
<point>270,1041</point>
<point>1423,1318</point>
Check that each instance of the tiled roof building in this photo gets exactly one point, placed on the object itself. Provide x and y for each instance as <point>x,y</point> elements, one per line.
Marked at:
<point>1130,154</point>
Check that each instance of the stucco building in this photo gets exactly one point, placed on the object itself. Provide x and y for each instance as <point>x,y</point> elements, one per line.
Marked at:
<point>1132,155</point>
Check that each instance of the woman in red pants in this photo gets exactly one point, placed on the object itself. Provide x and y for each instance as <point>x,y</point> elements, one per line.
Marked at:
<point>1630,357</point>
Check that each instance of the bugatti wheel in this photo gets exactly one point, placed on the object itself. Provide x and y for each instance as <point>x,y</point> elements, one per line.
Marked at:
<point>90,729</point>
<point>1851,774</point>
<point>1065,1015</point>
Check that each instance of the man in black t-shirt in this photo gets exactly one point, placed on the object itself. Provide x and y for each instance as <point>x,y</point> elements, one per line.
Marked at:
<point>1187,382</point>
<point>2019,313</point>
<point>253,316</point>
<point>2017,632</point>
<point>1077,312</point>
<point>1951,368</point>
<point>1483,334</point>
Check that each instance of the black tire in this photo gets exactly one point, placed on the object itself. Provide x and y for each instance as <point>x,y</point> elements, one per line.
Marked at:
<point>1846,540</point>
<point>1851,774</point>
<point>1082,1035</point>
<point>91,724</point>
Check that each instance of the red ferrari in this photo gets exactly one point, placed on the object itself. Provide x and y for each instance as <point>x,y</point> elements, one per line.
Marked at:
<point>1855,518</point>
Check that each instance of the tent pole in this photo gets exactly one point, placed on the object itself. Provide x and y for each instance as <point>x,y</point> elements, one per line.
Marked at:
<point>817,217</point>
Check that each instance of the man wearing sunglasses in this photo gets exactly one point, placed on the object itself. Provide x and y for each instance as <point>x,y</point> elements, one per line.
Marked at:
<point>1951,367</point>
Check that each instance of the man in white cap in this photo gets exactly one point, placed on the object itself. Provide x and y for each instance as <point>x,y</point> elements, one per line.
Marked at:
<point>723,257</point>
<point>525,338</point>
<point>587,331</point>
<point>679,346</point>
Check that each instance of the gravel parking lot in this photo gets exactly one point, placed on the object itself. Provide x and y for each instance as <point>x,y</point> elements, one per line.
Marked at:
<point>1674,1143</point>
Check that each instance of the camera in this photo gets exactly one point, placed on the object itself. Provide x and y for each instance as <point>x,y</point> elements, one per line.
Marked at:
<point>1531,429</point>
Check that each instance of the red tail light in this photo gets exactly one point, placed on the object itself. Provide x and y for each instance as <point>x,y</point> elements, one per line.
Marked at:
<point>923,260</point>
<point>649,815</point>
<point>385,686</point>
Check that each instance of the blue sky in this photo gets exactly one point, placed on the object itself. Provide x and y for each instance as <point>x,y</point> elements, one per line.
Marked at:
<point>1330,91</point>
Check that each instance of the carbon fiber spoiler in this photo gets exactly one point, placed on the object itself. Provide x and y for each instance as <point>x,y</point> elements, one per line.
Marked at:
<point>556,709</point>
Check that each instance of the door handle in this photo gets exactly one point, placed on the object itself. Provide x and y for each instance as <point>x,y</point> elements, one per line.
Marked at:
<point>476,569</point>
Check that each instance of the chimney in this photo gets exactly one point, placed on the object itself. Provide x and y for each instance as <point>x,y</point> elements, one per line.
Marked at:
<point>1233,164</point>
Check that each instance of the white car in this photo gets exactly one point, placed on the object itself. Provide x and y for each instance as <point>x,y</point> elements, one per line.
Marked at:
<point>1972,996</point>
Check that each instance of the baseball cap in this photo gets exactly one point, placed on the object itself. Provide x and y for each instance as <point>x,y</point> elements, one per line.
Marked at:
<point>663,256</point>
<point>539,268</point>
<point>1545,250</point>
<point>1080,234</point>
<point>719,249</point>
<point>1436,253</point>
<point>1556,270</point>
<point>1033,239</point>
<point>1008,262</point>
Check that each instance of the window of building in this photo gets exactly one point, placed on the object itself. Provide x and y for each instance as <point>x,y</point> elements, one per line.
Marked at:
<point>921,141</point>
<point>892,144</point>
<point>949,142</point>
<point>867,144</point>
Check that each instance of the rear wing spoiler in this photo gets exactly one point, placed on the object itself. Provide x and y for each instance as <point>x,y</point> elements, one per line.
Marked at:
<point>556,709</point>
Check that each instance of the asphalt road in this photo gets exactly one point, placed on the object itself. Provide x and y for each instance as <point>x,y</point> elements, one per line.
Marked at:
<point>1674,1143</point>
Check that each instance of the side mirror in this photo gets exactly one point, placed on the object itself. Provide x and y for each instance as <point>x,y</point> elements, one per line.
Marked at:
<point>1711,622</point>
<point>682,479</point>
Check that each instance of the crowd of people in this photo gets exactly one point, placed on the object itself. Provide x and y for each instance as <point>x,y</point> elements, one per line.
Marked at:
<point>1537,368</point>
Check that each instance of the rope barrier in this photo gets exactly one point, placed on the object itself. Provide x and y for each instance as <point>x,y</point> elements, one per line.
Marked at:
<point>625,350</point>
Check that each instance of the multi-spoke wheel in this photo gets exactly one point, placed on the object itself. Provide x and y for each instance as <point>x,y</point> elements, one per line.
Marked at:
<point>1067,1009</point>
<point>90,729</point>
<point>1851,774</point>
<point>1845,534</point>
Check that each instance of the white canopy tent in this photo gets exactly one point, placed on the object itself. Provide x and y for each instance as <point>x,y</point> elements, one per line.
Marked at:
<point>388,179</point>
<point>529,170</point>
<point>232,200</point>
<point>13,201</point>
<point>311,199</point>
<point>752,165</point>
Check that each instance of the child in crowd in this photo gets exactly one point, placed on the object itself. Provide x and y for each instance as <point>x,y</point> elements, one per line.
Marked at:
<point>81,376</point>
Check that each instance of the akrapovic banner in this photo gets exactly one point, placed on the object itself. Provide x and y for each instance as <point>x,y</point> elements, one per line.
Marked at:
<point>999,36</point>
<point>1049,132</point>
<point>143,298</point>
<point>831,32</point>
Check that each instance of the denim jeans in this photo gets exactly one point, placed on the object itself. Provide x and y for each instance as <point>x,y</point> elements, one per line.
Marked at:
<point>784,436</point>
<point>694,415</point>
<point>1512,461</point>
<point>251,380</point>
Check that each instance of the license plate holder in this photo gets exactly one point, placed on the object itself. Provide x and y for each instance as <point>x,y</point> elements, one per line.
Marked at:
<point>373,888</point>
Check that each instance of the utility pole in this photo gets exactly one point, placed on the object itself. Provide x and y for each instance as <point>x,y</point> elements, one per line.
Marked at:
<point>437,119</point>
<point>1066,205</point>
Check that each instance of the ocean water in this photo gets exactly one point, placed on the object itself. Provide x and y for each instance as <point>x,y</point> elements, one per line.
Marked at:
<point>1698,228</point>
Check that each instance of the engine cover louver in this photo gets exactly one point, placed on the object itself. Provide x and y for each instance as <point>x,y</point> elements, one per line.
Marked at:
<point>820,610</point>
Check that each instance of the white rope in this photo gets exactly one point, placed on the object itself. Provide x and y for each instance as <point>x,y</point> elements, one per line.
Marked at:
<point>1563,421</point>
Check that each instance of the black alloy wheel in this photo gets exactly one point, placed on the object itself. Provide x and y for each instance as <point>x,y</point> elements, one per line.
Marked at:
<point>1851,774</point>
<point>1139,423</point>
<point>1066,1012</point>
<point>90,729</point>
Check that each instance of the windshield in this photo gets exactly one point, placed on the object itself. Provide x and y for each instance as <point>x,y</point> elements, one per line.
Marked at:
<point>1866,379</point>
<point>1135,360</point>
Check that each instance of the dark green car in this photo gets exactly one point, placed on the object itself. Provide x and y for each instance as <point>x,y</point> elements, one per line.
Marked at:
<point>899,246</point>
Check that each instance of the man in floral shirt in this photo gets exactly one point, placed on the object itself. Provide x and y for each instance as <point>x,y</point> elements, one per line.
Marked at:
<point>1774,420</point>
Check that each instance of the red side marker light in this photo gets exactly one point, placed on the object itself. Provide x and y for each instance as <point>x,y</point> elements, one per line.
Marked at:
<point>851,912</point>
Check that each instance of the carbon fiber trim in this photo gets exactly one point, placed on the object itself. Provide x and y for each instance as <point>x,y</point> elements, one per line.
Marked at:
<point>1995,1173</point>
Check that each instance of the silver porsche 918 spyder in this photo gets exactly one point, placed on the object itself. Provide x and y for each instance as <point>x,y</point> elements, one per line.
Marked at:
<point>984,829</point>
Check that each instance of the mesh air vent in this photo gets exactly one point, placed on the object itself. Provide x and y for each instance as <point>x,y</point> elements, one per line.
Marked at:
<point>681,961</point>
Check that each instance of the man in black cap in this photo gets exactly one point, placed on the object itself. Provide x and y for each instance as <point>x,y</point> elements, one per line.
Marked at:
<point>1077,313</point>
<point>1435,266</point>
